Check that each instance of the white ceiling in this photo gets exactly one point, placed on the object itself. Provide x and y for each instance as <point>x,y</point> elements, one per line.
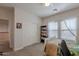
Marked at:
<point>40,10</point>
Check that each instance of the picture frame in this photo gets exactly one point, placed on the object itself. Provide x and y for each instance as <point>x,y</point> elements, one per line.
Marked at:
<point>19,25</point>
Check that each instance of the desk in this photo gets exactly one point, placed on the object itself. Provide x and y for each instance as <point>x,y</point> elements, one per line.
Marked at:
<point>75,50</point>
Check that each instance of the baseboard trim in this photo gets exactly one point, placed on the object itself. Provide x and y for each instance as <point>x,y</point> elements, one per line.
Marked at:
<point>16,49</point>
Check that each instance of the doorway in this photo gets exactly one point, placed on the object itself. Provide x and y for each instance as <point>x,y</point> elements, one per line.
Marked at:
<point>4,36</point>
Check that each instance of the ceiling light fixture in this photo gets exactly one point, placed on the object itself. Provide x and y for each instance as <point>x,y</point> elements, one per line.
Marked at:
<point>47,4</point>
<point>53,5</point>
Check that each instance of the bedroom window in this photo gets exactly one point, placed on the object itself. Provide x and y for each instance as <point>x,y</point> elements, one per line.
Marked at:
<point>68,29</point>
<point>53,29</point>
<point>65,29</point>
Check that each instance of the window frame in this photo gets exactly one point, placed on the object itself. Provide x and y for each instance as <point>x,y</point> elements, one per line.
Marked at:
<point>59,29</point>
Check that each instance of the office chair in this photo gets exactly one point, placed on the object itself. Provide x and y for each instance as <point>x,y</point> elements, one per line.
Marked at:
<point>64,49</point>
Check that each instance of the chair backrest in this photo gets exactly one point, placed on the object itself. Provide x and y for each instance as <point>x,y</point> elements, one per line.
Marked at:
<point>51,49</point>
<point>64,49</point>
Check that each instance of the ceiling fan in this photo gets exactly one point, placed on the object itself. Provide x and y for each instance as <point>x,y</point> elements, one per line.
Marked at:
<point>53,5</point>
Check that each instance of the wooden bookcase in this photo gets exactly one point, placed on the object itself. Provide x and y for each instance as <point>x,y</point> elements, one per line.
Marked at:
<point>44,33</point>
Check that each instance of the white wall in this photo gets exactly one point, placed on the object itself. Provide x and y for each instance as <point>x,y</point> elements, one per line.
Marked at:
<point>62,16</point>
<point>30,32</point>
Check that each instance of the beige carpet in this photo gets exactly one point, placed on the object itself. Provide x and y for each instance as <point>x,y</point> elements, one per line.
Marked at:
<point>33,50</point>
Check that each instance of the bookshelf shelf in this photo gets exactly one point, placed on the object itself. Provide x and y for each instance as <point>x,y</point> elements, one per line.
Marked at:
<point>44,33</point>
